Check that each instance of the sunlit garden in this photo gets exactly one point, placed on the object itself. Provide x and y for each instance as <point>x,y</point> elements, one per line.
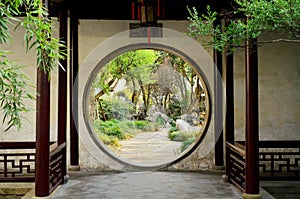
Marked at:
<point>144,91</point>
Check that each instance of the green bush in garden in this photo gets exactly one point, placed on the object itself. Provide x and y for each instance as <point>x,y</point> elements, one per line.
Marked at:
<point>111,131</point>
<point>145,125</point>
<point>187,138</point>
<point>150,127</point>
<point>187,143</point>
<point>112,128</point>
<point>181,136</point>
<point>111,141</point>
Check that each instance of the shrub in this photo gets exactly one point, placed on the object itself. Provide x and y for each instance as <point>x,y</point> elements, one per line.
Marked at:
<point>112,128</point>
<point>111,141</point>
<point>172,129</point>
<point>150,127</point>
<point>140,124</point>
<point>181,136</point>
<point>187,138</point>
<point>111,131</point>
<point>187,143</point>
<point>116,108</point>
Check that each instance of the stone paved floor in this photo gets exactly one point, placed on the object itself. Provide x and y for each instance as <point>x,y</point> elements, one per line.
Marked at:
<point>146,185</point>
<point>149,148</point>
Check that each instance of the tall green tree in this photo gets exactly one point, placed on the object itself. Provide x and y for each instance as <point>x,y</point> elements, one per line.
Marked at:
<point>151,77</point>
<point>38,36</point>
<point>133,66</point>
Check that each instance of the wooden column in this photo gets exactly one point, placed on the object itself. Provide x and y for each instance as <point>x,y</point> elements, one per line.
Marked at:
<point>218,121</point>
<point>42,134</point>
<point>74,138</point>
<point>62,83</point>
<point>229,120</point>
<point>42,173</point>
<point>218,101</point>
<point>252,129</point>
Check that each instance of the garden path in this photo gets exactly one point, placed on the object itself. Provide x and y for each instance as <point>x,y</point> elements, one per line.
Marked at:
<point>149,148</point>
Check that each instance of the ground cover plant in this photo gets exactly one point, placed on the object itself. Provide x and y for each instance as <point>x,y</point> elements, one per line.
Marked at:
<point>187,138</point>
<point>110,132</point>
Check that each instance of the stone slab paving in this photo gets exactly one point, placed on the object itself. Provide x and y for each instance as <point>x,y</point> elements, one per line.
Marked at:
<point>149,148</point>
<point>146,185</point>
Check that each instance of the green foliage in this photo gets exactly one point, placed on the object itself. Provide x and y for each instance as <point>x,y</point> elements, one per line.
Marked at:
<point>120,109</point>
<point>110,141</point>
<point>137,126</point>
<point>187,138</point>
<point>143,66</point>
<point>265,15</point>
<point>13,89</point>
<point>274,15</point>
<point>38,30</point>
<point>111,131</point>
<point>115,108</point>
<point>202,25</point>
<point>112,128</point>
<point>132,64</point>
<point>145,125</point>
<point>181,136</point>
<point>106,106</point>
<point>160,121</point>
<point>186,143</point>
<point>174,109</point>
<point>122,129</point>
<point>172,129</point>
<point>150,127</point>
<point>38,35</point>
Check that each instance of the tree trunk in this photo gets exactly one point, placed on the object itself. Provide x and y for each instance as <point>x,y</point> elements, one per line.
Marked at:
<point>102,110</point>
<point>144,96</point>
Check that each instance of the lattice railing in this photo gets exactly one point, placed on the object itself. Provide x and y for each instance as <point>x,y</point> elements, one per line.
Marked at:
<point>57,164</point>
<point>279,160</point>
<point>237,165</point>
<point>17,161</point>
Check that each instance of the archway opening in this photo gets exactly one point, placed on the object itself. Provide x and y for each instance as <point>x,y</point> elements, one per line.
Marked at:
<point>148,107</point>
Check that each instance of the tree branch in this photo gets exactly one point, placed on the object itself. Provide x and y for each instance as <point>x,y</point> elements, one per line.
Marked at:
<point>280,40</point>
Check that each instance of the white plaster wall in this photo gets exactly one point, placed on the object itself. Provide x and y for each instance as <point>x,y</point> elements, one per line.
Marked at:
<point>102,44</point>
<point>27,131</point>
<point>279,84</point>
<point>93,32</point>
<point>279,91</point>
<point>279,80</point>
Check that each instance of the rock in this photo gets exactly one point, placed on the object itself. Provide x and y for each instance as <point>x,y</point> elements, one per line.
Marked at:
<point>191,119</point>
<point>161,118</point>
<point>182,125</point>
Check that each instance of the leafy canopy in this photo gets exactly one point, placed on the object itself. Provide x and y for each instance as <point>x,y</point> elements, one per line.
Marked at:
<point>281,16</point>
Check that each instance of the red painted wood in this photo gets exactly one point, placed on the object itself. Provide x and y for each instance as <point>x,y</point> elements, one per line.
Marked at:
<point>42,134</point>
<point>229,118</point>
<point>62,86</point>
<point>252,130</point>
<point>218,99</point>
<point>74,139</point>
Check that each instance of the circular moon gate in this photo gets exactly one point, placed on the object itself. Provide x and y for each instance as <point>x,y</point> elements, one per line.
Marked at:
<point>171,41</point>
